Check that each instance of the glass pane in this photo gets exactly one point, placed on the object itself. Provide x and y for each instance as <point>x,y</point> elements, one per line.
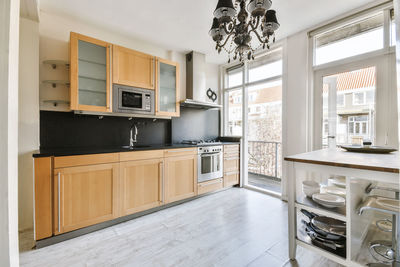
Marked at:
<point>350,40</point>
<point>235,78</point>
<point>265,71</point>
<point>355,119</point>
<point>167,84</point>
<point>92,68</point>
<point>234,113</point>
<point>265,135</point>
<point>206,164</point>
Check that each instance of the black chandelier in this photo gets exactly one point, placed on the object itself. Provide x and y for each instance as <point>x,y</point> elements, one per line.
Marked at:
<point>228,24</point>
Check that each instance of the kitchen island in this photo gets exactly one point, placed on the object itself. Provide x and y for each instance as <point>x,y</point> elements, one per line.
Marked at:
<point>357,177</point>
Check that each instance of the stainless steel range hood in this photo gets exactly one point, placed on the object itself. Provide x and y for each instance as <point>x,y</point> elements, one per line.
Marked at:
<point>196,91</point>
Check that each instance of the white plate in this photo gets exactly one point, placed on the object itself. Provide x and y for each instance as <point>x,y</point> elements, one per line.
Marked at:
<point>334,190</point>
<point>338,181</point>
<point>328,200</point>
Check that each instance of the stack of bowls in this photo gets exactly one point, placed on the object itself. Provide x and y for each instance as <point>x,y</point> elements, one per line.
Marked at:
<point>310,188</point>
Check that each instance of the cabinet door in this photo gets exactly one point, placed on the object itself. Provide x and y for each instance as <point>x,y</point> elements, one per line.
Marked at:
<point>133,68</point>
<point>181,177</point>
<point>85,196</point>
<point>167,95</point>
<point>142,184</point>
<point>231,178</point>
<point>90,74</point>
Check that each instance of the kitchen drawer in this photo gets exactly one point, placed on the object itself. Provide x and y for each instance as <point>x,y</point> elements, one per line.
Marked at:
<point>84,160</point>
<point>210,186</point>
<point>231,149</point>
<point>180,152</point>
<point>141,155</point>
<point>231,178</point>
<point>231,164</point>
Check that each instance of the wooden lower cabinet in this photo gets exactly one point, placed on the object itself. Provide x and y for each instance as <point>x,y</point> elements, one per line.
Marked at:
<point>210,186</point>
<point>180,177</point>
<point>231,179</point>
<point>141,185</point>
<point>84,196</point>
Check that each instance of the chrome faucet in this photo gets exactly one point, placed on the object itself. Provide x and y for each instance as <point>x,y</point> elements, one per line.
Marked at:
<point>133,134</point>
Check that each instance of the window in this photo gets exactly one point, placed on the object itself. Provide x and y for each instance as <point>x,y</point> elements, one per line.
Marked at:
<point>358,125</point>
<point>340,99</point>
<point>235,78</point>
<point>359,98</point>
<point>252,97</point>
<point>234,115</point>
<point>347,40</point>
<point>392,28</point>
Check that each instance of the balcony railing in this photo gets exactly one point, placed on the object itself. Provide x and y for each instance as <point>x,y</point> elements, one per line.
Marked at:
<point>265,158</point>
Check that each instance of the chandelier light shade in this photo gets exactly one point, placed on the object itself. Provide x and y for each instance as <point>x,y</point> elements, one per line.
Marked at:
<point>235,25</point>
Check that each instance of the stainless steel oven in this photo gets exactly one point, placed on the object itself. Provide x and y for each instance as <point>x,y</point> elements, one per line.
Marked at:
<point>132,100</point>
<point>210,160</point>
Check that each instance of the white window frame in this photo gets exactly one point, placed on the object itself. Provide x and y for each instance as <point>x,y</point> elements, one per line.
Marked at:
<point>245,101</point>
<point>379,58</point>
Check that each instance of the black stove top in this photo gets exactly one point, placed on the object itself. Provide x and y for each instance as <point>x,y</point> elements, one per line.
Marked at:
<point>199,142</point>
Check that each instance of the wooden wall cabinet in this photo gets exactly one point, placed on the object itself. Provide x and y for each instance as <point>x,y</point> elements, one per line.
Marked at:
<point>133,68</point>
<point>90,74</point>
<point>84,196</point>
<point>180,175</point>
<point>231,165</point>
<point>167,90</point>
<point>142,185</point>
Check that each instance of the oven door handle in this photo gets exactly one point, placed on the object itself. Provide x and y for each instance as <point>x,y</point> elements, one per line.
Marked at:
<point>209,154</point>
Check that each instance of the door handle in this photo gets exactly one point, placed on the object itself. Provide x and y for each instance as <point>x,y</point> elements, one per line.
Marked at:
<point>331,136</point>
<point>110,77</point>
<point>59,204</point>
<point>161,166</point>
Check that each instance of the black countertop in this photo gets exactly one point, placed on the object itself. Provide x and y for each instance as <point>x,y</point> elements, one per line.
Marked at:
<point>73,151</point>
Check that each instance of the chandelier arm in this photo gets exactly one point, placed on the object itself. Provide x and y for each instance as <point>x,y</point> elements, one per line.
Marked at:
<point>257,24</point>
<point>226,41</point>
<point>226,30</point>
<point>259,37</point>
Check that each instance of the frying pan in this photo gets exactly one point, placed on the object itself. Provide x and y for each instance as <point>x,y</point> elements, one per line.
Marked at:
<point>326,225</point>
<point>322,234</point>
<point>322,241</point>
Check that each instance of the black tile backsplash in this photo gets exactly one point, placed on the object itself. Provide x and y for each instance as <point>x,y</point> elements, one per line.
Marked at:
<point>196,124</point>
<point>66,129</point>
<point>69,130</point>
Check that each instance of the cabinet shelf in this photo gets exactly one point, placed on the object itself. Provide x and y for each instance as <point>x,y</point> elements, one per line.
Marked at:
<point>55,62</point>
<point>306,203</point>
<point>54,83</point>
<point>91,78</point>
<point>92,62</point>
<point>92,91</point>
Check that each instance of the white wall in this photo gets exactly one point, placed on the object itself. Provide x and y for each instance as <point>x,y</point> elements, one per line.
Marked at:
<point>54,44</point>
<point>28,134</point>
<point>295,98</point>
<point>9,29</point>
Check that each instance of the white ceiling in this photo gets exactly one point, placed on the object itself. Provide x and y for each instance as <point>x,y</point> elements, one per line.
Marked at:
<point>183,25</point>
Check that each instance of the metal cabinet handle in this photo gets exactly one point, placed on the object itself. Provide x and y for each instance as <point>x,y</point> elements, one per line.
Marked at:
<point>162,181</point>
<point>59,204</point>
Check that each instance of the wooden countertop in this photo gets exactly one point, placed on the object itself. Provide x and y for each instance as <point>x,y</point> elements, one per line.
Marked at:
<point>341,158</point>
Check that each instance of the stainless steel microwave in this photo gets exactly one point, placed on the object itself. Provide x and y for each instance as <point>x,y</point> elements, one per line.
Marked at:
<point>132,100</point>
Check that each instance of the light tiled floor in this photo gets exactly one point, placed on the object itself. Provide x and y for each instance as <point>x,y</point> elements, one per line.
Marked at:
<point>264,182</point>
<point>236,227</point>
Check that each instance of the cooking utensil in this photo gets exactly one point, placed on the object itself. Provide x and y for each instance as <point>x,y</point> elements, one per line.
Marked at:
<point>323,234</point>
<point>328,200</point>
<point>322,241</point>
<point>326,224</point>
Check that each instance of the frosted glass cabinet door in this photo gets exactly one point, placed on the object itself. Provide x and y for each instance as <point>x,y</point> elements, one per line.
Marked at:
<point>167,91</point>
<point>90,74</point>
